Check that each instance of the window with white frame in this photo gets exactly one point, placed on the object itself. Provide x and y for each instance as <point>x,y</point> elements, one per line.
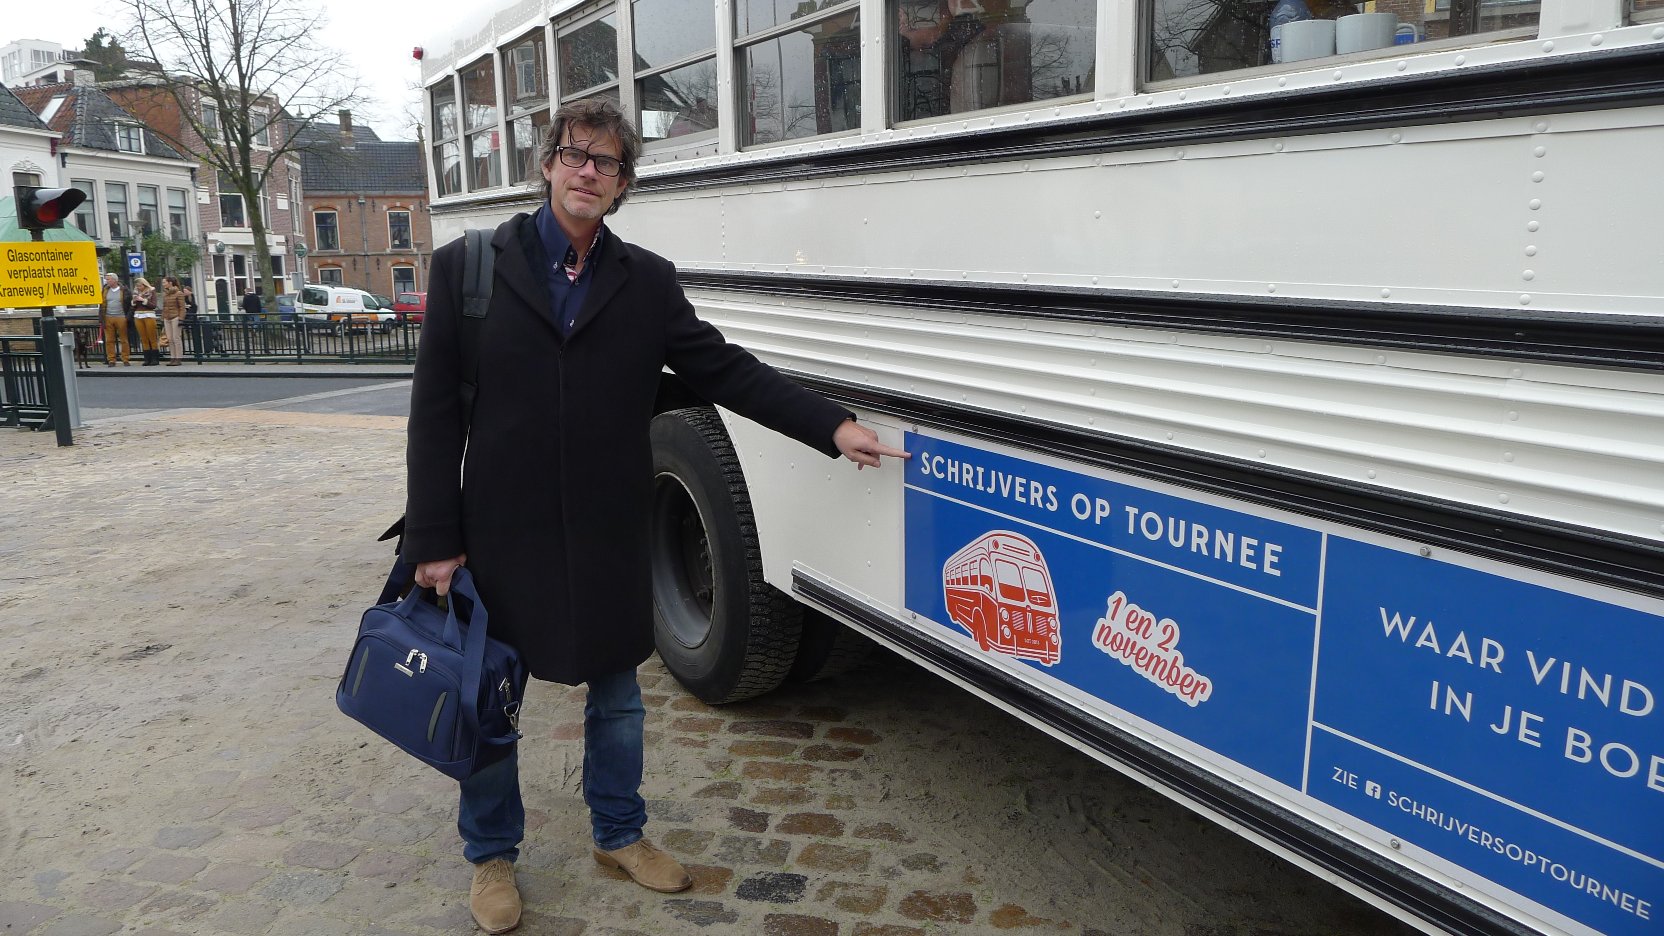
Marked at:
<point>129,137</point>
<point>150,214</point>
<point>326,230</point>
<point>329,276</point>
<point>179,227</point>
<point>86,215</point>
<point>404,279</point>
<point>954,56</point>
<point>262,129</point>
<point>232,214</point>
<point>210,117</point>
<point>115,204</point>
<point>398,230</point>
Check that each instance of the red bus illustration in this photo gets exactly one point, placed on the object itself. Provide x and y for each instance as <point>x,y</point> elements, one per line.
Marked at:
<point>998,589</point>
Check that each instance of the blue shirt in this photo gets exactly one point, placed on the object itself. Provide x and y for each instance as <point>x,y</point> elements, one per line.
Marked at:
<point>566,293</point>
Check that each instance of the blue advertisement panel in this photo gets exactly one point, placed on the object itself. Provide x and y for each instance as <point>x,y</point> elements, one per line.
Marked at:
<point>1507,727</point>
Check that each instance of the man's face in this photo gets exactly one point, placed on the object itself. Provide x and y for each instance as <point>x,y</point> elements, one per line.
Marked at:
<point>582,195</point>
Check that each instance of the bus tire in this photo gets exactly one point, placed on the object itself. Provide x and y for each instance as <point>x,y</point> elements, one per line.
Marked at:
<point>722,631</point>
<point>828,649</point>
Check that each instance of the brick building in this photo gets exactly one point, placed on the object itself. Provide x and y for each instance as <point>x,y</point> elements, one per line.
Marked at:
<point>224,218</point>
<point>366,209</point>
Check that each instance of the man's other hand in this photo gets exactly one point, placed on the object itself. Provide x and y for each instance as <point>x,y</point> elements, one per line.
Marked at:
<point>861,446</point>
<point>437,575</point>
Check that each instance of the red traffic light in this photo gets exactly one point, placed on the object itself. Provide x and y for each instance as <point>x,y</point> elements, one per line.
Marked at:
<point>41,208</point>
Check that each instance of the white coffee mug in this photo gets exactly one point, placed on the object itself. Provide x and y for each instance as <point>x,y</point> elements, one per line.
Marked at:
<point>1362,31</point>
<point>1307,39</point>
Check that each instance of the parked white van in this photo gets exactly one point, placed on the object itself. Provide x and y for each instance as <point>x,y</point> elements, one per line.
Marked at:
<point>342,304</point>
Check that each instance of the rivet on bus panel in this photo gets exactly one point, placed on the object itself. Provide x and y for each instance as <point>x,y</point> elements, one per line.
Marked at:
<point>1540,152</point>
<point>1181,95</point>
<point>1502,498</point>
<point>1386,294</point>
<point>1536,177</point>
<point>1338,75</point>
<point>1396,137</point>
<point>1525,299</point>
<point>1532,226</point>
<point>1282,82</point>
<point>1425,552</point>
<point>1513,416</point>
<point>1260,453</point>
<point>1403,65</point>
<point>1508,456</point>
<point>1541,126</point>
<point>1227,90</point>
<point>1278,147</point>
<point>1094,281</point>
<point>1529,275</point>
<point>1270,287</point>
<point>1596,39</point>
<point>1658,33</point>
<point>1536,203</point>
<point>1461,60</point>
<point>1371,472</point>
<point>1548,47</point>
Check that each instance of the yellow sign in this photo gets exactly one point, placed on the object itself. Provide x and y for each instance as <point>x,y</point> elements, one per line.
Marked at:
<point>51,273</point>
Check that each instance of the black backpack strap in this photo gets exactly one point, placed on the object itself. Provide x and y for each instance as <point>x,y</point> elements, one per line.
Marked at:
<point>478,269</point>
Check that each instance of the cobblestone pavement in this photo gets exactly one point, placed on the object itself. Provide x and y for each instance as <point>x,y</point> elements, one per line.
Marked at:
<point>178,592</point>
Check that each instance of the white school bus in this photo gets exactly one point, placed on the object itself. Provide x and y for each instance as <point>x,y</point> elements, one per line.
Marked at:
<point>1312,347</point>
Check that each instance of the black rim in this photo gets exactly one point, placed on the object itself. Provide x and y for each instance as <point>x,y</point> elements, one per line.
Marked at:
<point>684,589</point>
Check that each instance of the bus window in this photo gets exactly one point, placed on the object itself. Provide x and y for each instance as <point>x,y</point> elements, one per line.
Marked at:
<point>527,93</point>
<point>954,56</point>
<point>1645,11</point>
<point>679,101</point>
<point>986,580</point>
<point>803,83</point>
<point>447,156</point>
<point>588,55</point>
<point>1011,581</point>
<point>1200,37</point>
<point>479,112</point>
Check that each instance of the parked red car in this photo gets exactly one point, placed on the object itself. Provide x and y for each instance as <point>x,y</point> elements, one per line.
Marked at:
<point>411,306</point>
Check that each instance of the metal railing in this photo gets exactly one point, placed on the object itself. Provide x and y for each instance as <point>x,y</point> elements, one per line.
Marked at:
<point>240,338</point>
<point>23,399</point>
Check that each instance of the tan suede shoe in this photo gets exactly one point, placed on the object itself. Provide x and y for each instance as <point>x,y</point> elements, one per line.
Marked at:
<point>494,900</point>
<point>651,868</point>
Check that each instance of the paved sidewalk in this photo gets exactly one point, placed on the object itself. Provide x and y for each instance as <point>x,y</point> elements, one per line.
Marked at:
<point>178,593</point>
<point>258,369</point>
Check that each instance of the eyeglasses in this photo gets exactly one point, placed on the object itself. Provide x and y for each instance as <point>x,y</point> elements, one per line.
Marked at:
<point>575,158</point>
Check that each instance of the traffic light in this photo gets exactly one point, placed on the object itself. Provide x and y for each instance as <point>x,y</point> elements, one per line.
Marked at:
<point>41,208</point>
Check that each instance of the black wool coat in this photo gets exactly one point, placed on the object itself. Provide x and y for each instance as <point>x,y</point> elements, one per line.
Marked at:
<point>553,502</point>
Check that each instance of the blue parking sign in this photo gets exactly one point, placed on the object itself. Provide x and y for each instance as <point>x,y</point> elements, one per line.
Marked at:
<point>135,263</point>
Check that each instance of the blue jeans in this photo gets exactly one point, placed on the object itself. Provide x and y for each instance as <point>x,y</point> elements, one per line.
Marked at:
<point>492,819</point>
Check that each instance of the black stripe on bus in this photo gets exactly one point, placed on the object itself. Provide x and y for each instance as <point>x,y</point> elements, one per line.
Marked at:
<point>1546,336</point>
<point>1444,908</point>
<point>1590,81</point>
<point>1599,556</point>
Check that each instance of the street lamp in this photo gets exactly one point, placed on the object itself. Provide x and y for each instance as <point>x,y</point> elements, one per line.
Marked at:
<point>364,230</point>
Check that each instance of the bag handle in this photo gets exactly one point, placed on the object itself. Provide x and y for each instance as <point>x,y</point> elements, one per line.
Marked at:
<point>473,650</point>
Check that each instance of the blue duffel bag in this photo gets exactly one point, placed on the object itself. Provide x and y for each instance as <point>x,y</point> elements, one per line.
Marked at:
<point>433,682</point>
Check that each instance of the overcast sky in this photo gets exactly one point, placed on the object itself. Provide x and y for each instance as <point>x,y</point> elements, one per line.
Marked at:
<point>375,39</point>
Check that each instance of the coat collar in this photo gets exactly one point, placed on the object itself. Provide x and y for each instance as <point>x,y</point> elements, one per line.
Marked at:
<point>521,262</point>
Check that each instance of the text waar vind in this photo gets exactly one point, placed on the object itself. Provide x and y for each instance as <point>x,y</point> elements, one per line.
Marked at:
<point>1537,672</point>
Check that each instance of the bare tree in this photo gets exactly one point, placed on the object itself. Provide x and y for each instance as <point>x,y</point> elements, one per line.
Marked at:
<point>257,63</point>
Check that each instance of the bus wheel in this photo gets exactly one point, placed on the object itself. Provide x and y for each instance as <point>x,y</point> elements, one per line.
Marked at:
<point>828,649</point>
<point>722,631</point>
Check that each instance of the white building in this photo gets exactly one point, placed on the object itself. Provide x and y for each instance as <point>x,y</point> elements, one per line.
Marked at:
<point>27,145</point>
<point>20,60</point>
<point>135,183</point>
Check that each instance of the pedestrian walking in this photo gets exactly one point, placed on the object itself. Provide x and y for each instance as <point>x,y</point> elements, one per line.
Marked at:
<point>112,319</point>
<point>552,511</point>
<point>173,319</point>
<point>144,317</point>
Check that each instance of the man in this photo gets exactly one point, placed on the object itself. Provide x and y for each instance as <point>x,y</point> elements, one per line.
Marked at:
<point>173,318</point>
<point>251,302</point>
<point>551,515</point>
<point>112,318</point>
